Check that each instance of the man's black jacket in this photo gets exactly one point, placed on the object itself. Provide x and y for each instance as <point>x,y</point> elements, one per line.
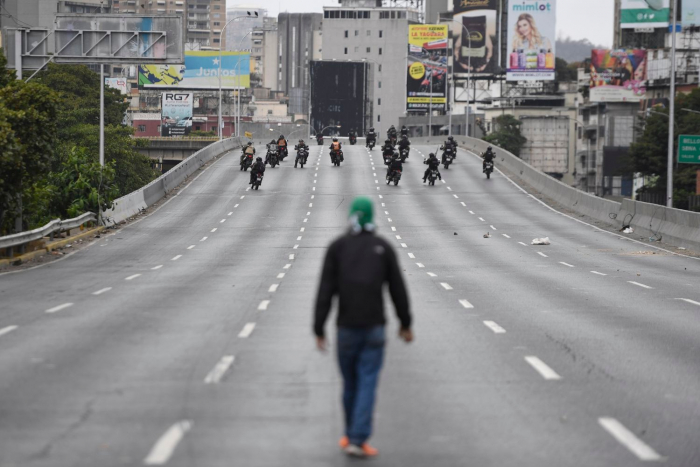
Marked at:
<point>433,163</point>
<point>355,269</point>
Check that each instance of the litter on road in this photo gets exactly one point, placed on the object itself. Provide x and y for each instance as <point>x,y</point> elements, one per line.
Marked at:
<point>541,241</point>
<point>487,235</point>
<point>628,230</point>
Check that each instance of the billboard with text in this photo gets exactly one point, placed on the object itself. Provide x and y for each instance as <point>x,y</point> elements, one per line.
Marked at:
<point>200,71</point>
<point>618,75</point>
<point>478,51</point>
<point>645,13</point>
<point>690,13</point>
<point>176,113</point>
<point>531,40</point>
<point>426,80</point>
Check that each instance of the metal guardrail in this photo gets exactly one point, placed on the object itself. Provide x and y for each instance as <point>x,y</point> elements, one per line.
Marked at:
<point>10,242</point>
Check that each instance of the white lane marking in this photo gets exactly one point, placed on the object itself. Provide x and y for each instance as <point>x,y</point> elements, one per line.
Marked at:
<point>374,174</point>
<point>287,266</point>
<point>494,228</point>
<point>542,254</point>
<point>599,273</point>
<point>482,219</point>
<point>314,188</point>
<point>412,256</point>
<point>380,196</point>
<point>273,288</point>
<point>312,196</point>
<point>566,264</point>
<point>315,175</point>
<point>689,301</point>
<point>280,275</point>
<point>308,213</point>
<point>305,220</point>
<point>7,330</point>
<point>176,258</point>
<point>263,305</point>
<point>190,247</point>
<point>443,181</point>
<point>403,245</point>
<point>203,238</point>
<point>640,285</point>
<point>132,277</point>
<point>311,205</point>
<point>378,188</point>
<point>466,304</point>
<point>457,197</point>
<point>219,370</point>
<point>506,235</point>
<point>629,440</point>
<point>246,331</point>
<point>166,444</point>
<point>291,256</point>
<point>295,247</point>
<point>242,196</point>
<point>398,237</point>
<point>376,181</point>
<point>213,230</point>
<point>463,204</point>
<point>393,229</point>
<point>302,229</point>
<point>449,188</point>
<point>471,212</point>
<point>383,205</point>
<point>222,221</point>
<point>101,291</point>
<point>232,211</point>
<point>298,238</point>
<point>542,368</point>
<point>420,265</point>
<point>494,327</point>
<point>432,275</point>
<point>247,189</point>
<point>386,212</point>
<point>314,181</point>
<point>446,286</point>
<point>389,219</point>
<point>236,206</point>
<point>522,243</point>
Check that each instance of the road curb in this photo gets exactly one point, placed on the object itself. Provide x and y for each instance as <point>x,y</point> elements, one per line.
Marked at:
<point>46,249</point>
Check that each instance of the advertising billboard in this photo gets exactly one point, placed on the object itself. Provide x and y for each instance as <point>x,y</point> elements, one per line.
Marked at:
<point>644,14</point>
<point>339,97</point>
<point>176,113</point>
<point>426,74</point>
<point>200,71</point>
<point>117,83</point>
<point>690,12</point>
<point>618,75</point>
<point>531,40</point>
<point>479,51</point>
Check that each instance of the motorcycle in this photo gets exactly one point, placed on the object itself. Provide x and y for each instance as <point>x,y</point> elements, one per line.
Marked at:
<point>353,140</point>
<point>447,158</point>
<point>282,150</point>
<point>387,159</point>
<point>432,176</point>
<point>319,140</point>
<point>246,162</point>
<point>257,181</point>
<point>395,176</point>
<point>370,144</point>
<point>404,154</point>
<point>274,160</point>
<point>489,169</point>
<point>301,158</point>
<point>336,157</point>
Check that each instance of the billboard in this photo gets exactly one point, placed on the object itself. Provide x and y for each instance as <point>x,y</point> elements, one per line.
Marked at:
<point>618,75</point>
<point>117,83</point>
<point>200,71</point>
<point>690,12</point>
<point>176,113</point>
<point>644,14</point>
<point>480,50</point>
<point>426,73</point>
<point>531,35</point>
<point>339,97</point>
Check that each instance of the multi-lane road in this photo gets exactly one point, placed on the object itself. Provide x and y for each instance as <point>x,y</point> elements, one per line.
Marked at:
<point>185,339</point>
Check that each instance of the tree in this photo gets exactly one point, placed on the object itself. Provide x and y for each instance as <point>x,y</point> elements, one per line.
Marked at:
<point>506,134</point>
<point>565,71</point>
<point>649,155</point>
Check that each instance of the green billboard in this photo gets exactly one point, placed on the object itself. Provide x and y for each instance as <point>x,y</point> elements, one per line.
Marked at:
<point>689,149</point>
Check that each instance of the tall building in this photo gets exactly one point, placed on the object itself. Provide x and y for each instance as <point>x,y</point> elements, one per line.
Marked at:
<point>264,46</point>
<point>238,34</point>
<point>364,30</point>
<point>41,13</point>
<point>297,37</point>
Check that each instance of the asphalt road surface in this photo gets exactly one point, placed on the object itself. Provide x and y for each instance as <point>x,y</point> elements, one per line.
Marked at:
<point>185,339</point>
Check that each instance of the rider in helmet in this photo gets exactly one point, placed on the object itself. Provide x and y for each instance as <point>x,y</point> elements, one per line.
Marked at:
<point>488,156</point>
<point>257,167</point>
<point>395,164</point>
<point>336,146</point>
<point>371,136</point>
<point>302,145</point>
<point>433,164</point>
<point>404,131</point>
<point>248,149</point>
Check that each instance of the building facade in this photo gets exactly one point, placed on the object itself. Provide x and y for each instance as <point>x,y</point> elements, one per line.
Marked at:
<point>239,34</point>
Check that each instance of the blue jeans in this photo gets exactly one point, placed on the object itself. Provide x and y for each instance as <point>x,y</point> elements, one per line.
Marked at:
<point>360,356</point>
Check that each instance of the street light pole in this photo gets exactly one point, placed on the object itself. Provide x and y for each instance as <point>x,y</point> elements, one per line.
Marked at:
<point>238,103</point>
<point>469,74</point>
<point>671,110</point>
<point>221,34</point>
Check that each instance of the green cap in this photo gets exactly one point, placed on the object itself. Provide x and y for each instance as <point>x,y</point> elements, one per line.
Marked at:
<point>362,208</point>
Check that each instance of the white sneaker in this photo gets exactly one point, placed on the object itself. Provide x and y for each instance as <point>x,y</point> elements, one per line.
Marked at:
<point>354,450</point>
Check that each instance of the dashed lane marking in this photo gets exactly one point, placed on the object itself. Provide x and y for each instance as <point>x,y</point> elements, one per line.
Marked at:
<point>640,285</point>
<point>689,301</point>
<point>494,327</point>
<point>176,258</point>
<point>506,235</point>
<point>471,212</point>
<point>302,229</point>
<point>566,264</point>
<point>246,331</point>
<point>273,288</point>
<point>280,275</point>
<point>291,256</point>
<point>446,286</point>
<point>494,228</point>
<point>466,304</point>
<point>155,268</point>
<point>542,254</point>
<point>522,243</point>
<point>132,277</point>
<point>457,197</point>
<point>101,291</point>
<point>203,239</point>
<point>213,230</point>
<point>215,375</point>
<point>463,204</point>
<point>298,238</point>
<point>420,265</point>
<point>542,368</point>
<point>263,305</point>
<point>629,440</point>
<point>7,330</point>
<point>295,247</point>
<point>190,247</point>
<point>403,245</point>
<point>412,256</point>
<point>598,273</point>
<point>165,446</point>
<point>222,221</point>
<point>59,307</point>
<point>287,266</point>
<point>431,274</point>
<point>482,219</point>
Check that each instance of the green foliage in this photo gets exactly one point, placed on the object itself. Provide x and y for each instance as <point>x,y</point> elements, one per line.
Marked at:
<point>506,134</point>
<point>565,71</point>
<point>648,155</point>
<point>199,133</point>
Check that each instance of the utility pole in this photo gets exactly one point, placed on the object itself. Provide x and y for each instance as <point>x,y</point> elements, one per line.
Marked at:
<point>671,110</point>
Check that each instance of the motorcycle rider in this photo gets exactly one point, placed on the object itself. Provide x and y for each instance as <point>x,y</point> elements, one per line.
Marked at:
<point>404,131</point>
<point>247,150</point>
<point>282,144</point>
<point>302,145</point>
<point>433,164</point>
<point>450,143</point>
<point>371,137</point>
<point>336,146</point>
<point>387,149</point>
<point>404,144</point>
<point>391,132</point>
<point>351,133</point>
<point>257,167</point>
<point>395,164</point>
<point>488,156</point>
<point>271,148</point>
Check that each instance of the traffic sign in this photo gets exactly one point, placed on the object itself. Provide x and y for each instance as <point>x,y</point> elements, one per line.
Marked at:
<point>689,149</point>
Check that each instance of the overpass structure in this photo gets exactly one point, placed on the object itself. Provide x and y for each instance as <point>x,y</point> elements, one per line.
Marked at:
<point>185,338</point>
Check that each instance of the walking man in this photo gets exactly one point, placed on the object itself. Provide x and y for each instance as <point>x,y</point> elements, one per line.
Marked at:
<point>356,267</point>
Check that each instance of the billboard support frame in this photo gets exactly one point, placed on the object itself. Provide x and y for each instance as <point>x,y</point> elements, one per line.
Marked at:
<point>671,110</point>
<point>450,96</point>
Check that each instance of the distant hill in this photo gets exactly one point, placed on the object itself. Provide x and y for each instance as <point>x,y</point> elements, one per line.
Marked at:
<point>575,50</point>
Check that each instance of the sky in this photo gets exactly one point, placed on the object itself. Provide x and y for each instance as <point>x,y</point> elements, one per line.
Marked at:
<point>578,19</point>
